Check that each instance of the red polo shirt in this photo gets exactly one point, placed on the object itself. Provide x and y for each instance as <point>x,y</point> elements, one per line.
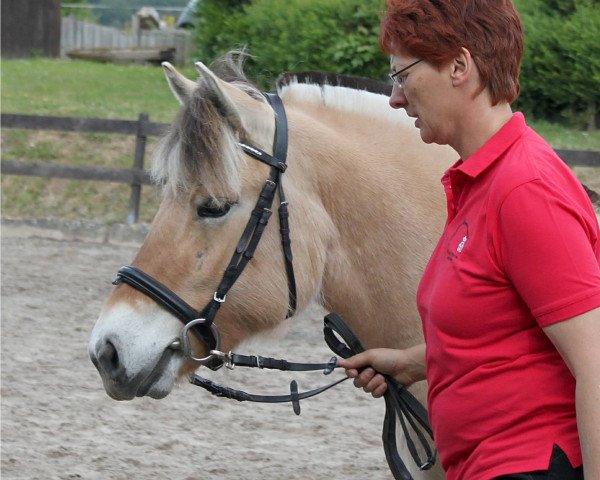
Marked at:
<point>520,251</point>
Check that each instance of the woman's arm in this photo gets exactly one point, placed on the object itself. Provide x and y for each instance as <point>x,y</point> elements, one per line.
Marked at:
<point>578,341</point>
<point>405,366</point>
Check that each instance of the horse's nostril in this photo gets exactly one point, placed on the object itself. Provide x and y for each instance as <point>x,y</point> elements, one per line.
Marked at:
<point>108,360</point>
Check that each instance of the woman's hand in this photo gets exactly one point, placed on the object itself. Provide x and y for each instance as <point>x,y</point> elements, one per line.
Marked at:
<point>405,366</point>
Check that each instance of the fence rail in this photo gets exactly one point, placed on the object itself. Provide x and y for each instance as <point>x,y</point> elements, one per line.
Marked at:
<point>142,128</point>
<point>583,158</point>
<point>75,172</point>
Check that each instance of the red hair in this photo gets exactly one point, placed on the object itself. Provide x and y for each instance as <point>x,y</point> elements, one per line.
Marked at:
<point>436,30</point>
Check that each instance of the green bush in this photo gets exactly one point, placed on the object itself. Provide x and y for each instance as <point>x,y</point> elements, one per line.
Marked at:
<point>217,27</point>
<point>296,35</point>
<point>560,78</point>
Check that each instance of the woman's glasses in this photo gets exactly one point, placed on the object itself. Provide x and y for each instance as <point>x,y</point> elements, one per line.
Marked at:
<point>397,79</point>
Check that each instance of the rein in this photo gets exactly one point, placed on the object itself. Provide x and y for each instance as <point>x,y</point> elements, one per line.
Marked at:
<point>399,401</point>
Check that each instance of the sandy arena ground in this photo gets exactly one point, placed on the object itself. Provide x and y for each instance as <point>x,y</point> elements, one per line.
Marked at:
<point>58,423</point>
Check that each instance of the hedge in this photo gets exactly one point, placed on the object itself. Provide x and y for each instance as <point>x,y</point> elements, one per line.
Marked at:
<point>560,76</point>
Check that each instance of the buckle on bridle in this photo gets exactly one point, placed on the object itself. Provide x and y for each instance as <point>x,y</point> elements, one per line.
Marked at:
<point>217,299</point>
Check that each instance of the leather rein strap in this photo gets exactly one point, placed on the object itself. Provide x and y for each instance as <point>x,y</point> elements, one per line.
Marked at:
<point>399,402</point>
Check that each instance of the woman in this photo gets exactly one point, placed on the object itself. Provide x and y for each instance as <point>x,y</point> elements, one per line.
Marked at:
<point>510,299</point>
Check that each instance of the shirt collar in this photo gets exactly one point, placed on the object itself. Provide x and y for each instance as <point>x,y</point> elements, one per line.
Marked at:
<point>493,149</point>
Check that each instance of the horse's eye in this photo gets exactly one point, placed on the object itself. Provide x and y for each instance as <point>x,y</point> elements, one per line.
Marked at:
<point>209,209</point>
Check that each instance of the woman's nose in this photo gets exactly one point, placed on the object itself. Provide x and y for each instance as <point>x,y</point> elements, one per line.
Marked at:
<point>397,98</point>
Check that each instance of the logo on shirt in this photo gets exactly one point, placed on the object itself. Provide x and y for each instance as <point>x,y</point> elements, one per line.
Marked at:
<point>458,241</point>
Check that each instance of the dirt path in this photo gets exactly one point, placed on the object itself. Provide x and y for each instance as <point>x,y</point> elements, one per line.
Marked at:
<point>57,422</point>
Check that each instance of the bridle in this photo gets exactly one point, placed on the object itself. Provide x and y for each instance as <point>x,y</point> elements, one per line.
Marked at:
<point>399,401</point>
<point>202,322</point>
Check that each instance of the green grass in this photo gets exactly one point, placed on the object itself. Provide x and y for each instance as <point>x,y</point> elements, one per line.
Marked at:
<point>567,138</point>
<point>88,89</point>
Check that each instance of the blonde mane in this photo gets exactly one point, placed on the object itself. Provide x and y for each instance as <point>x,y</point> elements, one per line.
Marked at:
<point>344,99</point>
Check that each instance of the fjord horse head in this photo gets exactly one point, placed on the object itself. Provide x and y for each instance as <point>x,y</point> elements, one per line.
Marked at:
<point>365,210</point>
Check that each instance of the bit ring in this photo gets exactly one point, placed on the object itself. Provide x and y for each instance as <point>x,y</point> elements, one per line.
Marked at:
<point>186,346</point>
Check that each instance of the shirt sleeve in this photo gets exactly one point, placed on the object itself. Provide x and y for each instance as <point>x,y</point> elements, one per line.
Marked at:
<point>548,246</point>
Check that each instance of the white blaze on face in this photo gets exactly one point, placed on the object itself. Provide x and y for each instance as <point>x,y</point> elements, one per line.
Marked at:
<point>130,348</point>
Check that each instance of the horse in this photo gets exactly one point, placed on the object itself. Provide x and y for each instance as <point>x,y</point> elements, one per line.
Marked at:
<point>365,211</point>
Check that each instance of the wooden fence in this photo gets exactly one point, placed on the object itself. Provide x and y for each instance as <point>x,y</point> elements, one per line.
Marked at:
<point>135,176</point>
<point>142,129</point>
<point>80,35</point>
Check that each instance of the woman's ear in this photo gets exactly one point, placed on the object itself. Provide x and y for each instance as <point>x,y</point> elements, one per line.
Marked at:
<point>462,68</point>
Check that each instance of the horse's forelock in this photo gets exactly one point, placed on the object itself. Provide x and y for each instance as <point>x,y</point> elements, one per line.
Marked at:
<point>201,147</point>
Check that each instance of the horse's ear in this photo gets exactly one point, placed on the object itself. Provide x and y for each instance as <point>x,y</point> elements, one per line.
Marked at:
<point>181,86</point>
<point>226,97</point>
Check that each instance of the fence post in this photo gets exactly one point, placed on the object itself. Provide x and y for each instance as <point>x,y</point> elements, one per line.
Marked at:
<point>138,164</point>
